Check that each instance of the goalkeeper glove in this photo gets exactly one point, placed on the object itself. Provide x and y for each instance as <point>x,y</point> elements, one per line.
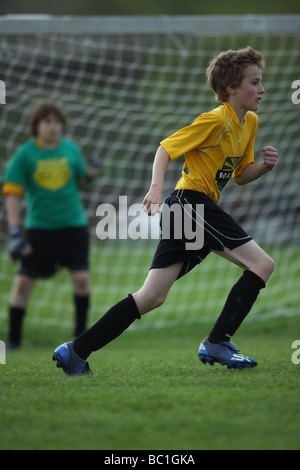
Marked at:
<point>18,246</point>
<point>94,170</point>
<point>94,167</point>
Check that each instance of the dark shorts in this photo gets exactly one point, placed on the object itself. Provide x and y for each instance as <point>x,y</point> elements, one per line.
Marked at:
<point>219,230</point>
<point>53,249</point>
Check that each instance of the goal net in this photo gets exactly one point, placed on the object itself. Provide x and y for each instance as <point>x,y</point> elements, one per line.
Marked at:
<point>126,83</point>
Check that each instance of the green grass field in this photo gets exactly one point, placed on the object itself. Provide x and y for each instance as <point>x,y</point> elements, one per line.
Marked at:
<point>149,391</point>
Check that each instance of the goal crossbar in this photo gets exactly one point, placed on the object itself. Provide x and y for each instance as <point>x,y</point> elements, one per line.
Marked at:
<point>206,25</point>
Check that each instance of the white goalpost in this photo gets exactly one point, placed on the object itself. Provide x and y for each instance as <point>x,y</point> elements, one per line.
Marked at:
<point>124,84</point>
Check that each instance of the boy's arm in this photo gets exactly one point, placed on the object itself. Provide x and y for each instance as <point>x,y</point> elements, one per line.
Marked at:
<point>253,172</point>
<point>13,210</point>
<point>18,246</point>
<point>153,199</point>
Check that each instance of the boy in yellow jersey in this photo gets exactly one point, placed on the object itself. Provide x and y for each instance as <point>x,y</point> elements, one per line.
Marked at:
<point>217,145</point>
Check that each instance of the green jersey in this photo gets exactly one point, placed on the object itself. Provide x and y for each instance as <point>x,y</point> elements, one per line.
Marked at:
<point>49,181</point>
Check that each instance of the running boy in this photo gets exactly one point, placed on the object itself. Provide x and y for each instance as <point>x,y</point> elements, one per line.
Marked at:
<point>217,145</point>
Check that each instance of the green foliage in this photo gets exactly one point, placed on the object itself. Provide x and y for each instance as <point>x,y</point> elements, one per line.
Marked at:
<point>155,7</point>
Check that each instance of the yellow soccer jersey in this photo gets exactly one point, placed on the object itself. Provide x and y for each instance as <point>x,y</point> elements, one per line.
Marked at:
<point>215,147</point>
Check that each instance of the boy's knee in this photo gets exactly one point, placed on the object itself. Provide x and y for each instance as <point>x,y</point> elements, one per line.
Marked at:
<point>147,303</point>
<point>21,291</point>
<point>159,300</point>
<point>81,283</point>
<point>23,285</point>
<point>265,267</point>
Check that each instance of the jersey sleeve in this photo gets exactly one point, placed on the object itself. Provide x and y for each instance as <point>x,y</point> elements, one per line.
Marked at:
<point>202,133</point>
<point>15,178</point>
<point>80,163</point>
<point>248,157</point>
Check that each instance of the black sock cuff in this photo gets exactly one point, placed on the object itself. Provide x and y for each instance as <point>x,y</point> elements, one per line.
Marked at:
<point>117,319</point>
<point>80,297</point>
<point>16,315</point>
<point>135,311</point>
<point>82,301</point>
<point>19,311</point>
<point>259,283</point>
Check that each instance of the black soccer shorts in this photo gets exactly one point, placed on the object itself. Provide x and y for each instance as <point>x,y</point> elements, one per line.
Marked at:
<point>219,230</point>
<point>52,249</point>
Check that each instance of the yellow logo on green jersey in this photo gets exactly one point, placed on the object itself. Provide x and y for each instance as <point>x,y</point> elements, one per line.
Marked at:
<point>52,174</point>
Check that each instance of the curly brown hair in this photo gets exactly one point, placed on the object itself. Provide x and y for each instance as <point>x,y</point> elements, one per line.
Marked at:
<point>42,111</point>
<point>227,69</point>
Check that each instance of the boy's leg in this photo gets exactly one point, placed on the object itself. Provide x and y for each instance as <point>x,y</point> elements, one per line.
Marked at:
<point>120,316</point>
<point>258,267</point>
<point>81,283</point>
<point>22,289</point>
<point>250,256</point>
<point>156,287</point>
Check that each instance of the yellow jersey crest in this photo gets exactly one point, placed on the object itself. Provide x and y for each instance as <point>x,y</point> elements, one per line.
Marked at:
<point>52,174</point>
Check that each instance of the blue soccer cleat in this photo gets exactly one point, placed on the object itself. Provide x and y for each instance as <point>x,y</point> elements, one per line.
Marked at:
<point>69,361</point>
<point>225,353</point>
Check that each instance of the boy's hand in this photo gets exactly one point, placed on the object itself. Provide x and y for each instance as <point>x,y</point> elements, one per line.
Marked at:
<point>18,246</point>
<point>94,170</point>
<point>94,167</point>
<point>270,155</point>
<point>152,201</point>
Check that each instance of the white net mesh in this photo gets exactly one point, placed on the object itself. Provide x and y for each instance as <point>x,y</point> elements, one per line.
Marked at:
<point>123,89</point>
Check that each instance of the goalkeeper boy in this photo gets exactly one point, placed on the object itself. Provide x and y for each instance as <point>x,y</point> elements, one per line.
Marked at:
<point>48,170</point>
<point>217,145</point>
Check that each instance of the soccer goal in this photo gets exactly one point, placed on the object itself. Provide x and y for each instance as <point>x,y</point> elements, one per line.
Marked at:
<point>126,83</point>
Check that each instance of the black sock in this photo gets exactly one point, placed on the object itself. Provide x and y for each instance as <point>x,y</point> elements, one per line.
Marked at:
<point>111,325</point>
<point>238,304</point>
<point>82,303</point>
<point>16,315</point>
